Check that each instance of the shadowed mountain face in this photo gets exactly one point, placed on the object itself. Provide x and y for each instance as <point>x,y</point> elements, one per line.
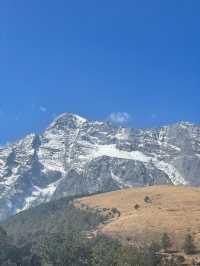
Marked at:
<point>75,156</point>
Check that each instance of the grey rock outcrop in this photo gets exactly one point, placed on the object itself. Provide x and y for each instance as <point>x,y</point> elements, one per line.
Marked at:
<point>75,156</point>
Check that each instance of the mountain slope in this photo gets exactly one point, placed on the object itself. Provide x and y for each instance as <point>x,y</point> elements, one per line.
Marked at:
<point>50,218</point>
<point>47,231</point>
<point>169,209</point>
<point>75,156</point>
<point>146,213</point>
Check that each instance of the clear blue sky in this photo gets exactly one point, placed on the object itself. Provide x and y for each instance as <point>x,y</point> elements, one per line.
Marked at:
<point>96,57</point>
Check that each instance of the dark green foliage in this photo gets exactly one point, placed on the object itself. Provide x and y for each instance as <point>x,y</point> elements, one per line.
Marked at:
<point>3,233</point>
<point>71,248</point>
<point>147,199</point>
<point>165,241</point>
<point>59,234</point>
<point>115,211</point>
<point>152,254</point>
<point>64,250</point>
<point>46,223</point>
<point>189,246</point>
<point>33,225</point>
<point>10,254</point>
<point>104,251</point>
<point>100,251</point>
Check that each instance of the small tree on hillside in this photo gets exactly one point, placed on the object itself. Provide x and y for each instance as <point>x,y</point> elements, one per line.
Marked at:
<point>147,199</point>
<point>165,241</point>
<point>189,246</point>
<point>136,206</point>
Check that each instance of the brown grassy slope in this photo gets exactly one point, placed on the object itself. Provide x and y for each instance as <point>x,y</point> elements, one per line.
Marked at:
<point>174,209</point>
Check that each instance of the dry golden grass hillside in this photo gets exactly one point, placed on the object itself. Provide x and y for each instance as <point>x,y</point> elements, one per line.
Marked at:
<point>171,209</point>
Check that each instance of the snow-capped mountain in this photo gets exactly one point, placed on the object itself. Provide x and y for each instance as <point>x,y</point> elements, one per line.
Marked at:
<point>75,156</point>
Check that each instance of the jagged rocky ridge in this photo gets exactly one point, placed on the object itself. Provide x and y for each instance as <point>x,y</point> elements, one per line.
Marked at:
<point>75,156</point>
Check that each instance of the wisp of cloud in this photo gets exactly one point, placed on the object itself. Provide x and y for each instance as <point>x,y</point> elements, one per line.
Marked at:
<point>119,117</point>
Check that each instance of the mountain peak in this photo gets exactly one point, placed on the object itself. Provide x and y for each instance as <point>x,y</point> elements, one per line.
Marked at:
<point>77,156</point>
<point>67,118</point>
<point>184,124</point>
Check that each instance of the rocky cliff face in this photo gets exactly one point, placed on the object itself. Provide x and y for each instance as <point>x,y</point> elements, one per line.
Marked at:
<point>75,156</point>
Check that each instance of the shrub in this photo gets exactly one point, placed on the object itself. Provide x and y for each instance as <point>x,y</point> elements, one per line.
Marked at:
<point>147,199</point>
<point>165,241</point>
<point>189,246</point>
<point>115,211</point>
<point>137,206</point>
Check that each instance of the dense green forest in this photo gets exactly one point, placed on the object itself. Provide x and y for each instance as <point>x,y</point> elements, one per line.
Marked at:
<point>57,234</point>
<point>71,249</point>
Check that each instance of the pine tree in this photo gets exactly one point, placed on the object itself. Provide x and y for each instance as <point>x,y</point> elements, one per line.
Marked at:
<point>147,199</point>
<point>189,246</point>
<point>165,241</point>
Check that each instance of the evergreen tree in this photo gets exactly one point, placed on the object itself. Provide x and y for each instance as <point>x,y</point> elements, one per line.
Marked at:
<point>189,246</point>
<point>165,241</point>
